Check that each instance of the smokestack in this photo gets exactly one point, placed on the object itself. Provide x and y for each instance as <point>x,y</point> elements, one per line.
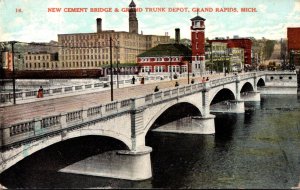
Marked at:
<point>177,35</point>
<point>99,25</point>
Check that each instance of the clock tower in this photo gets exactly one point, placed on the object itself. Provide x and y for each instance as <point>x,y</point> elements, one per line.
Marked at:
<point>198,44</point>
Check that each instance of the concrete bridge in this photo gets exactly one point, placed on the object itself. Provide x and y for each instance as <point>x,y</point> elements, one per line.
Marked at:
<point>129,120</point>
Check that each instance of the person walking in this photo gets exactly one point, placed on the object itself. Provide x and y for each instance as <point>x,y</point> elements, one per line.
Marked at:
<point>133,80</point>
<point>40,92</point>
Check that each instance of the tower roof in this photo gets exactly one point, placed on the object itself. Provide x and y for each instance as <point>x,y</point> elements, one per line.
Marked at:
<point>132,4</point>
<point>197,18</point>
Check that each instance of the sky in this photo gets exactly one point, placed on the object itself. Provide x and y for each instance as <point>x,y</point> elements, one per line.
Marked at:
<point>35,24</point>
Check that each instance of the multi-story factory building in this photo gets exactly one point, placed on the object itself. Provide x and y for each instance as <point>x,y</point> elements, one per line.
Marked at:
<point>91,50</point>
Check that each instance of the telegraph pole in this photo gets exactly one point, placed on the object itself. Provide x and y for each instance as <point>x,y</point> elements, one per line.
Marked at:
<point>111,71</point>
<point>188,70</point>
<point>13,70</point>
<point>117,53</point>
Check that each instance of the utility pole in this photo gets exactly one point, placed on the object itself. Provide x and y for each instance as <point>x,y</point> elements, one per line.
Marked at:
<point>170,66</point>
<point>13,69</point>
<point>117,54</point>
<point>188,70</point>
<point>111,71</point>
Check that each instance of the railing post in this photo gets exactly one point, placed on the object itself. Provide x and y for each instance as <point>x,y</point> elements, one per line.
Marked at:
<point>205,99</point>
<point>37,126</point>
<point>255,82</point>
<point>63,120</point>
<point>237,86</point>
<point>84,113</point>
<point>23,95</point>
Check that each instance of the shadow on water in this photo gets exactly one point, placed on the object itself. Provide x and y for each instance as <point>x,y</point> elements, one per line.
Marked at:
<point>224,126</point>
<point>175,156</point>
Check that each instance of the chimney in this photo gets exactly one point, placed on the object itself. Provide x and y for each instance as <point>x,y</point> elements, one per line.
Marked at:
<point>99,25</point>
<point>177,35</point>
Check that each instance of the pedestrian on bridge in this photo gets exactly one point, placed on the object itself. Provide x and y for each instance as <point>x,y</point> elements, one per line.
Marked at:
<point>156,89</point>
<point>133,80</point>
<point>176,84</point>
<point>40,92</point>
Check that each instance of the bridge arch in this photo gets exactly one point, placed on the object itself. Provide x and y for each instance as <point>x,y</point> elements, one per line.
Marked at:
<point>183,109</point>
<point>222,95</point>
<point>261,82</point>
<point>30,148</point>
<point>247,87</point>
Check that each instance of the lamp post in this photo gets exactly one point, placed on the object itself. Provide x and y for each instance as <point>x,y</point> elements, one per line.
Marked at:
<point>170,66</point>
<point>211,59</point>
<point>13,70</point>
<point>111,71</point>
<point>117,53</point>
<point>188,70</point>
<point>291,59</point>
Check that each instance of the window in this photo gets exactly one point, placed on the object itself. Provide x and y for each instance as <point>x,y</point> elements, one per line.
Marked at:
<point>197,24</point>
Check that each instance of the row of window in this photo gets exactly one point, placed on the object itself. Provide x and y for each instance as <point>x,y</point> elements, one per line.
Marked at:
<point>90,44</point>
<point>161,68</point>
<point>83,57</point>
<point>159,59</point>
<point>87,37</point>
<point>83,50</point>
<point>67,64</point>
<point>37,57</point>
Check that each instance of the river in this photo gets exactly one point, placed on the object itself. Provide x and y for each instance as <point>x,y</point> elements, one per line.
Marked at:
<point>257,149</point>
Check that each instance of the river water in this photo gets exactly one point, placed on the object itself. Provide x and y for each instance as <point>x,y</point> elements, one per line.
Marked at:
<point>257,149</point>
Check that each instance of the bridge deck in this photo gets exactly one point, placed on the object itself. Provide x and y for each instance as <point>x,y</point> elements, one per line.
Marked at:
<point>24,112</point>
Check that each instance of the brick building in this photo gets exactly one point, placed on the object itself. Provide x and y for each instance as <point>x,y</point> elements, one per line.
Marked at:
<point>176,57</point>
<point>294,45</point>
<point>172,58</point>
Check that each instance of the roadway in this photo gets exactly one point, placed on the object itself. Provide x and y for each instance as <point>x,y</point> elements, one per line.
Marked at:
<point>43,108</point>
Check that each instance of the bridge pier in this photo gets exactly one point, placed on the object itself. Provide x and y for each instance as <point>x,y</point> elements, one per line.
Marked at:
<point>121,164</point>
<point>230,106</point>
<point>251,96</point>
<point>237,106</point>
<point>206,124</point>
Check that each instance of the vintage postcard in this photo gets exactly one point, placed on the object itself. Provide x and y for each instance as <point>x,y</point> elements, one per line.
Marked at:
<point>149,94</point>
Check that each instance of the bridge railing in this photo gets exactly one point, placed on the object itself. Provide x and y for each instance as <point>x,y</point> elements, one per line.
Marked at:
<point>8,97</point>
